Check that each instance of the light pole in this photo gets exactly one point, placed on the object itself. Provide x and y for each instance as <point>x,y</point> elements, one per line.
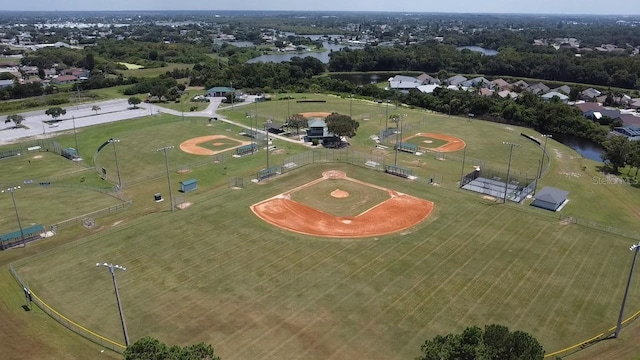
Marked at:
<point>13,198</point>
<point>506,184</point>
<point>395,163</point>
<point>75,135</point>
<point>266,131</point>
<point>544,151</point>
<point>115,155</point>
<point>386,116</point>
<point>233,95</point>
<point>112,269</point>
<point>182,106</point>
<point>635,248</point>
<point>256,128</point>
<point>166,162</point>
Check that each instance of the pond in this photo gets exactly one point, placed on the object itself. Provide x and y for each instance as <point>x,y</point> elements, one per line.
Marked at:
<point>479,49</point>
<point>586,148</point>
<point>280,57</point>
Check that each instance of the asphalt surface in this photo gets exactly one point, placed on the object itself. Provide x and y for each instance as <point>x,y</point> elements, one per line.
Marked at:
<point>110,111</point>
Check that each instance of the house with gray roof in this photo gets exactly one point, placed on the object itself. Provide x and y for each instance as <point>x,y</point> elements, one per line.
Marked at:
<point>520,84</point>
<point>552,94</point>
<point>456,80</point>
<point>404,83</point>
<point>563,89</point>
<point>427,79</point>
<point>538,88</point>
<point>477,82</point>
<point>590,94</point>
<point>550,199</point>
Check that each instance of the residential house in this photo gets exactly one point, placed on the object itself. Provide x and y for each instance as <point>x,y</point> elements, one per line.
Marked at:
<point>635,103</point>
<point>404,83</point>
<point>519,85</point>
<point>631,132</point>
<point>456,80</point>
<point>506,93</point>
<point>590,94</point>
<point>538,89</point>
<point>563,89</point>
<point>427,89</point>
<point>500,84</point>
<point>553,94</point>
<point>64,79</point>
<point>476,82</point>
<point>485,92</point>
<point>426,79</point>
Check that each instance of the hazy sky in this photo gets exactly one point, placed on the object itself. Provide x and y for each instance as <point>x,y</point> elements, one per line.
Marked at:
<point>630,7</point>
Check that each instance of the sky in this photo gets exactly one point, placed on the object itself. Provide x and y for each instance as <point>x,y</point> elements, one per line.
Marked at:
<point>618,7</point>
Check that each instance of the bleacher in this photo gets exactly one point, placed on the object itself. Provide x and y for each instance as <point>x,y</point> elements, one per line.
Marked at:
<point>406,147</point>
<point>246,149</point>
<point>397,171</point>
<point>268,172</point>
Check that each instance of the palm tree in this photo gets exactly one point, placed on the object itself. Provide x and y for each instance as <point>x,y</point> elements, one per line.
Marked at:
<point>95,108</point>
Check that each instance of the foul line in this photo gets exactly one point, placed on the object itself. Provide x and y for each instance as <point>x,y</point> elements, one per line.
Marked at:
<point>593,339</point>
<point>76,324</point>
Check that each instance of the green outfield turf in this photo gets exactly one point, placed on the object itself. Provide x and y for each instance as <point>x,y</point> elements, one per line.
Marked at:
<point>214,272</point>
<point>257,292</point>
<point>360,197</point>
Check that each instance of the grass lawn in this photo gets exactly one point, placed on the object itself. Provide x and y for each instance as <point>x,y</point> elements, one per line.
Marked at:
<point>215,272</point>
<point>255,291</point>
<point>153,72</point>
<point>361,198</point>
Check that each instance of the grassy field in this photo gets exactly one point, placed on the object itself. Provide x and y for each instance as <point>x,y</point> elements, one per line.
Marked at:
<point>361,198</point>
<point>214,272</point>
<point>186,104</point>
<point>153,72</point>
<point>259,292</point>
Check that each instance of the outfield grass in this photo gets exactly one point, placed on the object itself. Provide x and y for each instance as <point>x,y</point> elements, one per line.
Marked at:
<point>216,273</point>
<point>255,291</point>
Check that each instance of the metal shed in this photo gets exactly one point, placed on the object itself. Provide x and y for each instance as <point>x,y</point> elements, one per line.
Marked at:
<point>188,185</point>
<point>550,199</point>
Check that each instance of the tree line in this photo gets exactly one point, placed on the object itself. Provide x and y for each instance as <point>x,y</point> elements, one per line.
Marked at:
<point>546,63</point>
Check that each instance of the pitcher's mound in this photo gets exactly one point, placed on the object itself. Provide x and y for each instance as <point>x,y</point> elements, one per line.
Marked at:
<point>339,194</point>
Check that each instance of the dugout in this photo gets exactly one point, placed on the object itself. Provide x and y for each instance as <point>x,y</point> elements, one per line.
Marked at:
<point>188,185</point>
<point>246,149</point>
<point>397,171</point>
<point>30,233</point>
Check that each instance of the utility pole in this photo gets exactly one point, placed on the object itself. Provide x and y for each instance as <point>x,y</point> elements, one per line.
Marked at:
<point>506,185</point>
<point>233,95</point>
<point>112,269</point>
<point>395,163</point>
<point>166,162</point>
<point>386,117</point>
<point>635,248</point>
<point>266,131</point>
<point>351,106</point>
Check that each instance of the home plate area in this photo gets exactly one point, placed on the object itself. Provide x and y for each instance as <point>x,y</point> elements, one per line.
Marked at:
<point>337,206</point>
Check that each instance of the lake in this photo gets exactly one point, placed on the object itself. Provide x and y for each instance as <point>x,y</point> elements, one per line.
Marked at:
<point>586,148</point>
<point>479,49</point>
<point>280,57</point>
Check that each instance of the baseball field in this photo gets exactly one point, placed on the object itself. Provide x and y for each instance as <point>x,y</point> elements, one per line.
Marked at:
<point>221,273</point>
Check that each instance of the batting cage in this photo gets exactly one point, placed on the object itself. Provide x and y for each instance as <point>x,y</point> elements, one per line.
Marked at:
<point>493,183</point>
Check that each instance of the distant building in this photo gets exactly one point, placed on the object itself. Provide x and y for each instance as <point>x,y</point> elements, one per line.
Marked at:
<point>552,94</point>
<point>456,80</point>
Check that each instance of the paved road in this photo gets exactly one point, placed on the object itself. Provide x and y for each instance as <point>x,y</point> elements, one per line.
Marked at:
<point>110,111</point>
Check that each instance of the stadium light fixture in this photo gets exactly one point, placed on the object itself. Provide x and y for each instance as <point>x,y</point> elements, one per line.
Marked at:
<point>115,155</point>
<point>635,248</point>
<point>112,269</point>
<point>506,184</point>
<point>166,162</point>
<point>12,190</point>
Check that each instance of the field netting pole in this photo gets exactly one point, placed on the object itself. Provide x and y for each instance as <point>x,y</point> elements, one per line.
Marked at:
<point>464,157</point>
